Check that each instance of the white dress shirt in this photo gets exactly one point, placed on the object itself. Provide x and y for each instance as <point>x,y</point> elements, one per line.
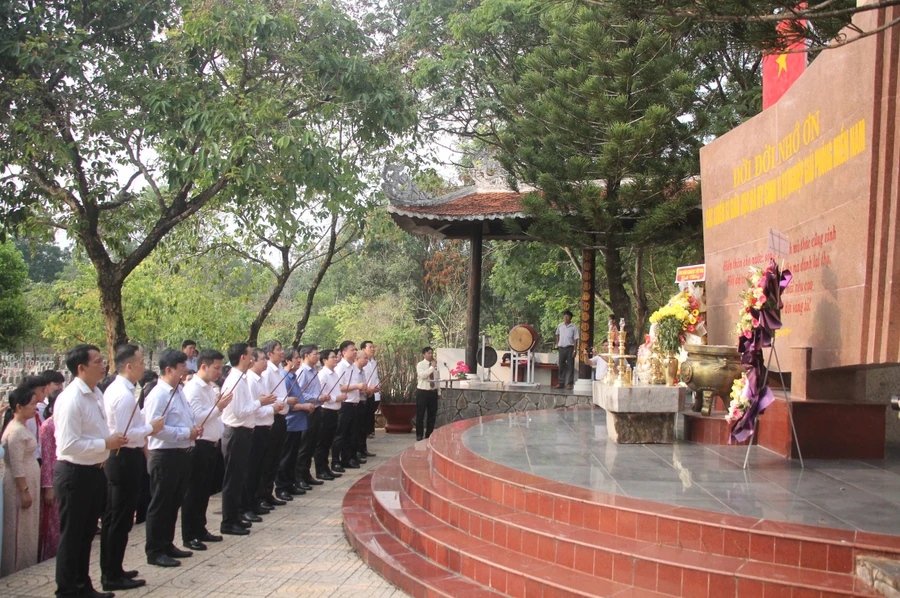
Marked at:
<point>424,369</point>
<point>329,381</point>
<point>81,429</point>
<point>201,397</point>
<point>567,334</point>
<point>241,411</point>
<point>120,403</point>
<point>191,364</point>
<point>273,383</point>
<point>265,414</point>
<point>176,431</point>
<point>601,366</point>
<point>371,374</point>
<point>350,376</point>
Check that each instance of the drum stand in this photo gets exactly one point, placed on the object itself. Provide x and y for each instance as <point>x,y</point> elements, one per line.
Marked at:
<point>526,360</point>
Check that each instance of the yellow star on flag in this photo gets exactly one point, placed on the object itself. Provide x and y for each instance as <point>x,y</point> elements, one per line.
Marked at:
<point>782,63</point>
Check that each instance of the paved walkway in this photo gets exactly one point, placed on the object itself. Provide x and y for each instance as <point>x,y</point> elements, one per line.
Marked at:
<point>298,550</point>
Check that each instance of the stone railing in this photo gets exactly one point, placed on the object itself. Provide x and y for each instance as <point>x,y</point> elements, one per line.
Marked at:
<point>464,403</point>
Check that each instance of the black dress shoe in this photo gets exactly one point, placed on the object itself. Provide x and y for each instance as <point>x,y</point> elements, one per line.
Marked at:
<point>130,574</point>
<point>208,537</point>
<point>122,583</point>
<point>311,481</point>
<point>234,530</point>
<point>195,544</point>
<point>252,517</point>
<point>274,502</point>
<point>177,553</point>
<point>95,594</point>
<point>163,560</point>
<point>366,453</point>
<point>304,486</point>
<point>336,467</point>
<point>284,495</point>
<point>296,491</point>
<point>350,465</point>
<point>325,476</point>
<point>244,523</point>
<point>360,460</point>
<point>257,510</point>
<point>335,474</point>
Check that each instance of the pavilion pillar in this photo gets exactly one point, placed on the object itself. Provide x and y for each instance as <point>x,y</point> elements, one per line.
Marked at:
<point>473,310</point>
<point>586,323</point>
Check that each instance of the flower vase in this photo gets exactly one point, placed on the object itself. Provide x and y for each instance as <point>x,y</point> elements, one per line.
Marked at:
<point>671,369</point>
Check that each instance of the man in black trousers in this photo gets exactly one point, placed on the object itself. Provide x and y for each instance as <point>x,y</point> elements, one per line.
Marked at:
<point>426,394</point>
<point>83,443</point>
<point>123,467</point>
<point>206,406</point>
<point>169,463</point>
<point>239,419</point>
<point>343,450</point>
<point>332,397</point>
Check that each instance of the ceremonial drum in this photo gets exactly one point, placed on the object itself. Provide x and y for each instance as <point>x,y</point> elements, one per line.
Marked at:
<point>522,338</point>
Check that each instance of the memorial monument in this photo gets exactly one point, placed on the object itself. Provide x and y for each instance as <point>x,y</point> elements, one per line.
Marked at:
<point>818,172</point>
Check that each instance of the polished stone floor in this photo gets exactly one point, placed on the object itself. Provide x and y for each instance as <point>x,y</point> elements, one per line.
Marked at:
<point>573,447</point>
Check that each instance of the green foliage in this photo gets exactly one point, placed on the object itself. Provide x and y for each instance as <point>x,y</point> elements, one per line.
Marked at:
<point>14,316</point>
<point>668,334</point>
<point>45,261</point>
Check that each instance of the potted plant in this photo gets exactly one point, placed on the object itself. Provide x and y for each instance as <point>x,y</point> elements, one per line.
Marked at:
<point>397,371</point>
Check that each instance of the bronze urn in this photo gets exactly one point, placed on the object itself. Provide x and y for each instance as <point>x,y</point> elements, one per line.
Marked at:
<point>710,371</point>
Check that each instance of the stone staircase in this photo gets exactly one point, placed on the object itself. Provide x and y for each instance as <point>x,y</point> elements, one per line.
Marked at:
<point>439,520</point>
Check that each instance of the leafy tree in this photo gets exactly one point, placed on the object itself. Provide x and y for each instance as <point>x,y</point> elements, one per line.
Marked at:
<point>199,101</point>
<point>14,316</point>
<point>44,260</point>
<point>817,23</point>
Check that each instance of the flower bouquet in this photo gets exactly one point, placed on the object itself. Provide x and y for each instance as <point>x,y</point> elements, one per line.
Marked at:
<point>679,316</point>
<point>740,402</point>
<point>759,318</point>
<point>460,371</point>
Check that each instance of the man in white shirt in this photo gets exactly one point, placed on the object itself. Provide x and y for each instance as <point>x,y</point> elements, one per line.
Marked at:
<point>123,467</point>
<point>265,415</point>
<point>189,348</point>
<point>373,396</point>
<point>426,394</point>
<point>344,448</point>
<point>169,460</point>
<point>274,377</point>
<point>206,407</point>
<point>331,406</point>
<point>566,333</point>
<point>239,418</point>
<point>83,442</point>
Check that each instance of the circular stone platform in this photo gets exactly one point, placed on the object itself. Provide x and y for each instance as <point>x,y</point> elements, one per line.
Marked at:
<point>573,447</point>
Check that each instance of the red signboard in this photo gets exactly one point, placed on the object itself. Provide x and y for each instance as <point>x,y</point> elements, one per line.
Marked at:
<point>691,273</point>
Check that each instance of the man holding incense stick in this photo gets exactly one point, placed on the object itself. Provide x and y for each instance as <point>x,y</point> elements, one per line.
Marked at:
<point>239,418</point>
<point>263,417</point>
<point>373,397</point>
<point>300,385</point>
<point>206,407</point>
<point>169,463</point>
<point>274,381</point>
<point>123,467</point>
<point>343,450</point>
<point>330,410</point>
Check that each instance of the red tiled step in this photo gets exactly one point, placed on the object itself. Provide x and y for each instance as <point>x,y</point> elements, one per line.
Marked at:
<point>507,571</point>
<point>648,564</point>
<point>808,547</point>
<point>395,561</point>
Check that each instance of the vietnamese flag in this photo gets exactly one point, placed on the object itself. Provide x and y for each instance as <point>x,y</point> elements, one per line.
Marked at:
<point>781,69</point>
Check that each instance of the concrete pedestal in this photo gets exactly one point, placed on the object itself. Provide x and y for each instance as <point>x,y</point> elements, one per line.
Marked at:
<point>640,414</point>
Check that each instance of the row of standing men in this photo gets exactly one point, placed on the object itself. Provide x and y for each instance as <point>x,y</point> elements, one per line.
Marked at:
<point>274,418</point>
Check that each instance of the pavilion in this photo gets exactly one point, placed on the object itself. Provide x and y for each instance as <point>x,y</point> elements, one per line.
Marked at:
<point>485,210</point>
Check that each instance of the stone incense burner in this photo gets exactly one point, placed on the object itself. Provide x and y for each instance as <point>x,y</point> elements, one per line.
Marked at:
<point>710,371</point>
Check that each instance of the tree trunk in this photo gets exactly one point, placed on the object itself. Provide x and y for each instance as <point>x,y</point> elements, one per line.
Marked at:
<point>615,281</point>
<point>640,297</point>
<point>109,282</point>
<point>311,294</point>
<point>256,325</point>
